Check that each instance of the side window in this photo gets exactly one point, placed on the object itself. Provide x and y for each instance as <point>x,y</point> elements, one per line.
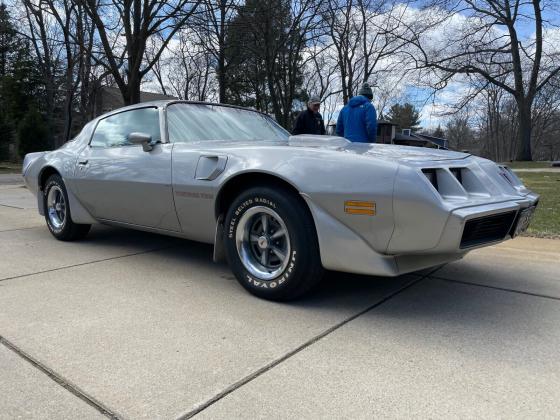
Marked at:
<point>113,131</point>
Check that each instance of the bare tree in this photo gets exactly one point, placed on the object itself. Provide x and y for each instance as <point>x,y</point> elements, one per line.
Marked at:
<point>43,36</point>
<point>489,44</point>
<point>186,70</point>
<point>344,34</point>
<point>211,26</point>
<point>321,71</point>
<point>362,33</point>
<point>459,133</point>
<point>62,37</point>
<point>498,123</point>
<point>74,24</point>
<point>265,45</point>
<point>137,21</point>
<point>284,60</point>
<point>546,122</point>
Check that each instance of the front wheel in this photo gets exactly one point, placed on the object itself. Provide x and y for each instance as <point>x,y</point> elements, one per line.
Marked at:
<point>57,211</point>
<point>271,244</point>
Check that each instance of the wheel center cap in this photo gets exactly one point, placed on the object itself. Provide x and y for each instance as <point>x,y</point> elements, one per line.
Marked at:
<point>262,242</point>
<point>58,206</point>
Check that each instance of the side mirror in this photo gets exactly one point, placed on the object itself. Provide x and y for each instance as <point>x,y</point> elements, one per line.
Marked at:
<point>141,138</point>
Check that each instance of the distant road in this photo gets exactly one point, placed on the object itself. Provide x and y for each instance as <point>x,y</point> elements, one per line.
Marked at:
<point>551,169</point>
<point>11,179</point>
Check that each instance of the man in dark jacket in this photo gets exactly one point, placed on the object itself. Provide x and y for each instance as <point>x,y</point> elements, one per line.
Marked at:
<point>310,121</point>
<point>357,121</point>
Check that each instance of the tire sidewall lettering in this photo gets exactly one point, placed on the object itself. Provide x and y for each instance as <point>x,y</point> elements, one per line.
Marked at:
<point>46,190</point>
<point>231,230</point>
<point>278,281</point>
<point>242,207</point>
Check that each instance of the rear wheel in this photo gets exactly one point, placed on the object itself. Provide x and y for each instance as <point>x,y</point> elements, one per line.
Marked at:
<point>271,244</point>
<point>57,212</point>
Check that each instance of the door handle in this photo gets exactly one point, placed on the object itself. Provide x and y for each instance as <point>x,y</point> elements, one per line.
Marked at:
<point>83,162</point>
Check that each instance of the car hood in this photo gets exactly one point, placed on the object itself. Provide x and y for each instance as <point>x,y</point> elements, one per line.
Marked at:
<point>339,144</point>
<point>387,151</point>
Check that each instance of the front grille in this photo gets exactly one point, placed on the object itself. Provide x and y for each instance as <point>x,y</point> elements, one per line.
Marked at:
<point>487,229</point>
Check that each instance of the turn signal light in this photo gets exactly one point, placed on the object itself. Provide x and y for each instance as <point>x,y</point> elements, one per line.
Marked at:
<point>360,207</point>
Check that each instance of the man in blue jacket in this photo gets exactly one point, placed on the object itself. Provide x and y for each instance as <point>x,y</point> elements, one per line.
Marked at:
<point>357,121</point>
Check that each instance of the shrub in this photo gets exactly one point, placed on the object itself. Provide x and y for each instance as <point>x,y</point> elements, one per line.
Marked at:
<point>33,133</point>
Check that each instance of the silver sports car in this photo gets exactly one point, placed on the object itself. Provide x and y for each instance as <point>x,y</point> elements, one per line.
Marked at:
<point>281,209</point>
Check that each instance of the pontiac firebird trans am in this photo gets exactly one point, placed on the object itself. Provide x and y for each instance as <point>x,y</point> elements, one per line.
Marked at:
<point>281,209</point>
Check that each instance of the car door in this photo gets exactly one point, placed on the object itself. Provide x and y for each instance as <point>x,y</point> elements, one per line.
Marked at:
<point>119,181</point>
<point>197,168</point>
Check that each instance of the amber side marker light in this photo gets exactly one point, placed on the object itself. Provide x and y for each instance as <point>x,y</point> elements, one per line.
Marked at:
<point>360,207</point>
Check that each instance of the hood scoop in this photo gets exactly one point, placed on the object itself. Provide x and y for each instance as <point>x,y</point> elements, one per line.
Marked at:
<point>375,150</point>
<point>409,153</point>
<point>309,140</point>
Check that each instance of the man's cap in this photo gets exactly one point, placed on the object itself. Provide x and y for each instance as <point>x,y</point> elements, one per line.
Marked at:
<point>366,91</point>
<point>314,100</point>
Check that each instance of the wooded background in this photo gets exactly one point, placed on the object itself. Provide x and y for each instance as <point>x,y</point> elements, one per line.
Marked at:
<point>486,71</point>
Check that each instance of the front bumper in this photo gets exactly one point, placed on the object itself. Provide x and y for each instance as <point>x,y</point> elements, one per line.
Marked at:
<point>453,238</point>
<point>343,250</point>
<point>430,221</point>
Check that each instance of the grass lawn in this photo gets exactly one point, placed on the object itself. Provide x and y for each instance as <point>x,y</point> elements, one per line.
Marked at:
<point>546,222</point>
<point>527,165</point>
<point>10,168</point>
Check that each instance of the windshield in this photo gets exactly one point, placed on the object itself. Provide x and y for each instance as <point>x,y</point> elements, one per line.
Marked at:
<point>200,122</point>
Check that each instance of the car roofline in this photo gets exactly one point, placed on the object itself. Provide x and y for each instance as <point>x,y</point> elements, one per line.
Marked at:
<point>164,103</point>
<point>180,101</point>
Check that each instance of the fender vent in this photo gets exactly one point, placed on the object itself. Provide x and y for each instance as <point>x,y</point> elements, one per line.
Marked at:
<point>487,229</point>
<point>431,174</point>
<point>457,173</point>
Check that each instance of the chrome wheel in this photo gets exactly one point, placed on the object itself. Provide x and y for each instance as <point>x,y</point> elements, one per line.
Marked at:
<point>263,242</point>
<point>56,207</point>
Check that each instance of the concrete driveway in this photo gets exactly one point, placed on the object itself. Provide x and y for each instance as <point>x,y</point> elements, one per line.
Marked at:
<point>134,325</point>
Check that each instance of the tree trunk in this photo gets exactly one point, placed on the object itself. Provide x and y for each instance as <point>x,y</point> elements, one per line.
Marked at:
<point>222,77</point>
<point>222,54</point>
<point>131,91</point>
<point>524,133</point>
<point>68,100</point>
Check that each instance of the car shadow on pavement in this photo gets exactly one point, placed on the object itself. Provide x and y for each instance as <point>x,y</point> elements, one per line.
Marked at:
<point>334,284</point>
<point>343,287</point>
<point>428,300</point>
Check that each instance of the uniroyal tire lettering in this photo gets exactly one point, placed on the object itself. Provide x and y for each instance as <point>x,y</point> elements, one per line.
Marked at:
<point>279,281</point>
<point>262,284</point>
<point>46,193</point>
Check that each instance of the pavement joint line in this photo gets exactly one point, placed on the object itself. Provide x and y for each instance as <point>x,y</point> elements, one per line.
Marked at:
<point>13,207</point>
<point>25,228</point>
<point>503,289</point>
<point>66,384</point>
<point>508,250</point>
<point>89,262</point>
<point>244,381</point>
<point>6,187</point>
